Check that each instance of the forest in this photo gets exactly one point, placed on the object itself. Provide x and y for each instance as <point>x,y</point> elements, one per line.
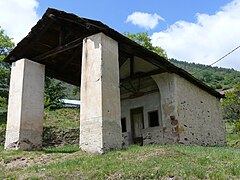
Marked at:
<point>216,77</point>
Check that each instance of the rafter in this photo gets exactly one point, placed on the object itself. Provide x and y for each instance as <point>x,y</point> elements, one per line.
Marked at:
<point>59,49</point>
<point>141,75</point>
<point>76,52</point>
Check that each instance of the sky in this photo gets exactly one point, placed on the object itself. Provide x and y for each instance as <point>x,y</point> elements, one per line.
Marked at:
<point>200,31</point>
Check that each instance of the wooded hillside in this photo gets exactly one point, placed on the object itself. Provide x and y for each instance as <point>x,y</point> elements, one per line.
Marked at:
<point>215,77</point>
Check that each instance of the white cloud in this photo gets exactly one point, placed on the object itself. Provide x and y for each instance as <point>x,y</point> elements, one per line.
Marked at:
<point>17,17</point>
<point>144,20</point>
<point>205,41</point>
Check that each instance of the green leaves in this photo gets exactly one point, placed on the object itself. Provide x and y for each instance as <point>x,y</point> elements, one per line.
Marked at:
<point>54,92</point>
<point>6,45</point>
<point>143,39</point>
<point>215,77</point>
<point>231,105</point>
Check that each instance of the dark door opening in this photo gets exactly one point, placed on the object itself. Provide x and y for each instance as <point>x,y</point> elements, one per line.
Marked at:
<point>137,124</point>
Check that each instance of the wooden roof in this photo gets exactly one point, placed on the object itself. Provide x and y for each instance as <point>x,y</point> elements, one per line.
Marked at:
<point>56,41</point>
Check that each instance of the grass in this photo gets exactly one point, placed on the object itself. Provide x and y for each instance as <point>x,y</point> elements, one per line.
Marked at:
<point>233,139</point>
<point>65,149</point>
<point>66,118</point>
<point>147,162</point>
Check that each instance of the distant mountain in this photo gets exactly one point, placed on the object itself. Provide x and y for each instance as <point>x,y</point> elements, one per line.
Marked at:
<point>215,77</point>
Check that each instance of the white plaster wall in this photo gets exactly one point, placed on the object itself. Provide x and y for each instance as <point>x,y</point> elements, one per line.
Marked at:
<point>26,106</point>
<point>167,87</point>
<point>190,115</point>
<point>199,115</point>
<point>149,102</point>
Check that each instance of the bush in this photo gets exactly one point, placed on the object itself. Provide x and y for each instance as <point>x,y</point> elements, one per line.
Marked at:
<point>54,93</point>
<point>236,127</point>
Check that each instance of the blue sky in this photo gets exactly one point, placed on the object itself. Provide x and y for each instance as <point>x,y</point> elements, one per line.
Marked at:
<point>114,14</point>
<point>200,31</point>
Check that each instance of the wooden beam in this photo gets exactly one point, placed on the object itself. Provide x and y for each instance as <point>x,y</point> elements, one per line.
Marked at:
<point>123,57</point>
<point>87,25</point>
<point>76,52</point>
<point>145,55</point>
<point>71,79</point>
<point>141,75</point>
<point>127,89</point>
<point>34,36</point>
<point>122,60</point>
<point>62,36</point>
<point>59,49</point>
<point>44,44</point>
<point>132,66</point>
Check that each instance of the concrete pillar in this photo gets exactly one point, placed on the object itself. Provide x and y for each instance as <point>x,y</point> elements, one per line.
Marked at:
<point>100,124</point>
<point>25,106</point>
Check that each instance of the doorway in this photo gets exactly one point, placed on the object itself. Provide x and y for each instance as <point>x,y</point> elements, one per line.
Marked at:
<point>137,124</point>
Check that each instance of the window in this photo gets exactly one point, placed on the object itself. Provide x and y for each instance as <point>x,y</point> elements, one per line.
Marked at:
<point>153,119</point>
<point>124,126</point>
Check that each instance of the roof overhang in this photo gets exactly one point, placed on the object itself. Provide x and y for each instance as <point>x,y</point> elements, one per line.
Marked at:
<point>56,41</point>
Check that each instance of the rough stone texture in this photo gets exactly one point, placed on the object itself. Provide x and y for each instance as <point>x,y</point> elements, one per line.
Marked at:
<point>26,106</point>
<point>189,114</point>
<point>53,137</point>
<point>126,139</point>
<point>100,127</point>
<point>199,115</point>
<point>158,135</point>
<point>169,131</point>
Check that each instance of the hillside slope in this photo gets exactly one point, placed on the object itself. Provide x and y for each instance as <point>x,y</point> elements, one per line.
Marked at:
<point>215,77</point>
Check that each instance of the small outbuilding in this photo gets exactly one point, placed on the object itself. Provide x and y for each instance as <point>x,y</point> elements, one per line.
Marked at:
<point>128,94</point>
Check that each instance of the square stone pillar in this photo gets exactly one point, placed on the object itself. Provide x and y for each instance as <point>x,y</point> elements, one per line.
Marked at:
<point>25,106</point>
<point>100,118</point>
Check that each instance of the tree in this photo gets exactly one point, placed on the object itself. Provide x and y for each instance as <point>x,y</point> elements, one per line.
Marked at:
<point>231,106</point>
<point>143,39</point>
<point>54,92</point>
<point>6,46</point>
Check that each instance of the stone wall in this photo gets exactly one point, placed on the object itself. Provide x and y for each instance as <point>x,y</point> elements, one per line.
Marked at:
<point>199,115</point>
<point>159,135</point>
<point>190,115</point>
<point>53,137</point>
<point>126,139</point>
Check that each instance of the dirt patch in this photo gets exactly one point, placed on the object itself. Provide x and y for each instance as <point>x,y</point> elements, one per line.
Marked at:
<point>25,162</point>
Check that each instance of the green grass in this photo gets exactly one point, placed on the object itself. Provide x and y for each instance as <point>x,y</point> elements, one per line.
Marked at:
<point>66,118</point>
<point>232,138</point>
<point>147,162</point>
<point>65,149</point>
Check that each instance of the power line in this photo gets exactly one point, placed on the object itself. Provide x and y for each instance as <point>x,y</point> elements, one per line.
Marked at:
<point>218,60</point>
